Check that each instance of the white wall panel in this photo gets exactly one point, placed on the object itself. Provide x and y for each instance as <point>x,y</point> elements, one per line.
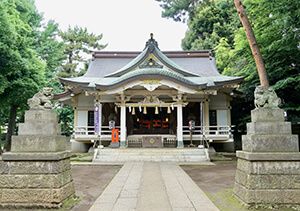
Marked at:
<point>82,118</point>
<point>222,117</point>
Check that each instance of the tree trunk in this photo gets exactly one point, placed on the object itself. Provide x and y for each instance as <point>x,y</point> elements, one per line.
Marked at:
<point>11,126</point>
<point>253,44</point>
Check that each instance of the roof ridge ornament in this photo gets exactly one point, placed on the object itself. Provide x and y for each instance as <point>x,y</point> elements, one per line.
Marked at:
<point>151,63</point>
<point>151,43</point>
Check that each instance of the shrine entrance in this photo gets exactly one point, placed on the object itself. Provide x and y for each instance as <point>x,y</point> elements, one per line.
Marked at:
<point>152,120</point>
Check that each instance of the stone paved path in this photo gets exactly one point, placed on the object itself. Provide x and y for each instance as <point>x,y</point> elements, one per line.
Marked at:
<point>144,186</point>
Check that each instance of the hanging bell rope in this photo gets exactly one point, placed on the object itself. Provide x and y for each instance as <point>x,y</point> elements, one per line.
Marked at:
<point>156,110</point>
<point>169,110</point>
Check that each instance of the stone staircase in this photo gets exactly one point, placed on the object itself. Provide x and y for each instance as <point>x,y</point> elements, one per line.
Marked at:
<point>185,155</point>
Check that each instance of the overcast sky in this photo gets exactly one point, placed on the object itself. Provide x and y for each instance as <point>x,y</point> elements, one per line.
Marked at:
<point>125,24</point>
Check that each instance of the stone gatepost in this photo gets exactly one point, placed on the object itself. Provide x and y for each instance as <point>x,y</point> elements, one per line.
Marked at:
<point>268,167</point>
<point>37,171</point>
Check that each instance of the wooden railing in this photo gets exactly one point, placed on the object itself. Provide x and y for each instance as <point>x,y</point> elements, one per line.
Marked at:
<point>106,131</point>
<point>202,133</point>
<point>209,130</point>
<point>90,130</point>
<point>199,130</point>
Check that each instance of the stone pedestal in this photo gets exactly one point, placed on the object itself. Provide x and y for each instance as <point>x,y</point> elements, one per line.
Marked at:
<point>37,171</point>
<point>114,145</point>
<point>268,168</point>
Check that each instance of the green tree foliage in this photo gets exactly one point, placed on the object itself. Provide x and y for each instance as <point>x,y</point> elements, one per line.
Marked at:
<point>276,25</point>
<point>214,24</point>
<point>224,54</point>
<point>78,43</point>
<point>66,119</point>
<point>208,21</point>
<point>33,55</point>
<point>178,10</point>
<point>22,71</point>
<point>211,21</point>
<point>50,48</point>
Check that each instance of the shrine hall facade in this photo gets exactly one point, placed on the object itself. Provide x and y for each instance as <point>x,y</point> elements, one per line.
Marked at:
<point>151,97</point>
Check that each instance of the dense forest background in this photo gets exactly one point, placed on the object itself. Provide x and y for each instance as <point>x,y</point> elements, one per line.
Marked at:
<point>214,24</point>
<point>34,54</point>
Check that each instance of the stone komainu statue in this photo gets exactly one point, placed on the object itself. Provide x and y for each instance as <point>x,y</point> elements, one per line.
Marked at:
<point>41,100</point>
<point>266,98</point>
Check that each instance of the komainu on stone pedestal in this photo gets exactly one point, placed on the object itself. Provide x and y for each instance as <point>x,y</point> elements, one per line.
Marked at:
<point>37,171</point>
<point>268,168</point>
<point>41,100</point>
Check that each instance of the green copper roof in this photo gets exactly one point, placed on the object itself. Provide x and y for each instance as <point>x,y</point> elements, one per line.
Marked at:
<point>200,82</point>
<point>130,65</point>
<point>151,48</point>
<point>154,73</point>
<point>152,64</point>
<point>169,63</point>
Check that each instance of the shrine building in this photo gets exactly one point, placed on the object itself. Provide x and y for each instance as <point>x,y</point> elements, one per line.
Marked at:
<point>151,97</point>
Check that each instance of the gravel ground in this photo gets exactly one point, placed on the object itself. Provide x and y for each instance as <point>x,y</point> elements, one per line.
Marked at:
<point>217,182</point>
<point>90,181</point>
<point>213,179</point>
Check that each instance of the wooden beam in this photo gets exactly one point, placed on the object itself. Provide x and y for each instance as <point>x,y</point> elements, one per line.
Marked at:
<point>155,92</point>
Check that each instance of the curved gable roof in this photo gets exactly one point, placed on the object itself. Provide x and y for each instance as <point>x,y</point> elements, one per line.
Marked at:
<point>195,69</point>
<point>150,73</point>
<point>151,48</point>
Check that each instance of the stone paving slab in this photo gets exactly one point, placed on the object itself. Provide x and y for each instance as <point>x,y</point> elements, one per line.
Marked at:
<point>152,193</point>
<point>143,186</point>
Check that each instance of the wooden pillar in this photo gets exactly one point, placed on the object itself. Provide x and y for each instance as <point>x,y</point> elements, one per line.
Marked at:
<point>123,125</point>
<point>74,101</point>
<point>179,126</point>
<point>229,116</point>
<point>206,112</point>
<point>201,114</point>
<point>98,118</point>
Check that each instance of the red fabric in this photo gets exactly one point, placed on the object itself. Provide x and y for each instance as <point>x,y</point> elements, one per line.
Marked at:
<point>156,123</point>
<point>146,123</point>
<point>115,135</point>
<point>165,124</point>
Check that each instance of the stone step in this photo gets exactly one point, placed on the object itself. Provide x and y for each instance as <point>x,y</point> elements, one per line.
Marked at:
<point>151,158</point>
<point>150,154</point>
<point>171,155</point>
